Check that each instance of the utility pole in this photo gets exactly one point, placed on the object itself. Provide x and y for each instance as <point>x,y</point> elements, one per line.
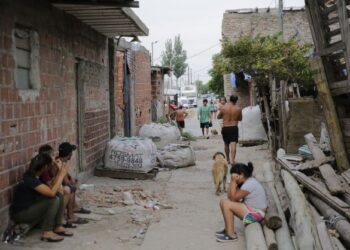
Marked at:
<point>280,17</point>
<point>188,75</point>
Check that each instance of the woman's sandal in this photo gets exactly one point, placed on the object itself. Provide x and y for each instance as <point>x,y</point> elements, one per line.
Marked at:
<point>69,225</point>
<point>49,239</point>
<point>82,211</point>
<point>64,233</point>
<point>80,221</point>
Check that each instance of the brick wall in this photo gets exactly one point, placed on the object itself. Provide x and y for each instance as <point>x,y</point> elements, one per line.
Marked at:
<point>142,90</point>
<point>235,24</point>
<point>48,114</point>
<point>119,102</point>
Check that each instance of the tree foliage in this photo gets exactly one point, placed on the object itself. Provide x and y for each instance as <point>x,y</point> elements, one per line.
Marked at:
<point>174,56</point>
<point>201,88</point>
<point>262,57</point>
<point>216,83</point>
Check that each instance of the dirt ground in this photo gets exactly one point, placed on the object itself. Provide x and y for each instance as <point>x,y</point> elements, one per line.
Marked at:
<point>187,216</point>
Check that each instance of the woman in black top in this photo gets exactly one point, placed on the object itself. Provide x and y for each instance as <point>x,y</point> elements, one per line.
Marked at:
<point>34,202</point>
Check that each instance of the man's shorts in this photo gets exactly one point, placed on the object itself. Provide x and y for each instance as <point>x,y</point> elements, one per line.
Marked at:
<point>205,125</point>
<point>253,215</point>
<point>230,134</point>
<point>181,124</point>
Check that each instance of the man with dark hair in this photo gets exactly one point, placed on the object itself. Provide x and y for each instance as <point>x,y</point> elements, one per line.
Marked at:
<point>180,115</point>
<point>65,152</point>
<point>231,115</point>
<point>204,118</point>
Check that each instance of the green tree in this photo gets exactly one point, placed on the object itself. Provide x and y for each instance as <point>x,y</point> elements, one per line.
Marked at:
<point>216,83</point>
<point>201,88</point>
<point>174,56</point>
<point>263,57</point>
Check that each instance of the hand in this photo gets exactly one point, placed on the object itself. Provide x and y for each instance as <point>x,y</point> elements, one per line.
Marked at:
<point>58,163</point>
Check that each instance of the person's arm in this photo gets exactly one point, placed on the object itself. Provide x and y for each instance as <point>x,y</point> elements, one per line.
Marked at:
<point>198,113</point>
<point>186,114</point>
<point>234,193</point>
<point>52,191</point>
<point>219,116</point>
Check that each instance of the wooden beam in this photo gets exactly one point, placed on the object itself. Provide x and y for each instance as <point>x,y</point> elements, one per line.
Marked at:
<point>254,237</point>
<point>300,212</point>
<point>332,122</point>
<point>345,30</point>
<point>270,238</point>
<point>332,180</point>
<point>341,225</point>
<point>313,145</point>
<point>315,20</point>
<point>331,49</point>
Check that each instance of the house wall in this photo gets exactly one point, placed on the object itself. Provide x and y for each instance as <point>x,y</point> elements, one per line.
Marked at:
<point>236,24</point>
<point>119,102</point>
<point>48,114</point>
<point>142,98</point>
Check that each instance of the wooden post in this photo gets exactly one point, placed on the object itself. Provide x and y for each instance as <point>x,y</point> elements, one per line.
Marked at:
<point>316,151</point>
<point>322,231</point>
<point>304,231</point>
<point>332,122</point>
<point>333,182</point>
<point>283,114</point>
<point>341,224</point>
<point>270,238</point>
<point>254,237</point>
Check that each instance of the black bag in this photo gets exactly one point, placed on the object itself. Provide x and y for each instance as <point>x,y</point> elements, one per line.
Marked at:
<point>210,124</point>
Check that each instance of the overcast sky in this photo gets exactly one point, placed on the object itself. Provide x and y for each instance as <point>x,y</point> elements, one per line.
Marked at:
<point>197,21</point>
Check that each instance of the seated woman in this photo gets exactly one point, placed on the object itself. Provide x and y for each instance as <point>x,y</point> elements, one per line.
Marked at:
<point>246,199</point>
<point>36,203</point>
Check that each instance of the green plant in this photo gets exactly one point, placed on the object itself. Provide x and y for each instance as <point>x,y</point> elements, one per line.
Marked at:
<point>162,120</point>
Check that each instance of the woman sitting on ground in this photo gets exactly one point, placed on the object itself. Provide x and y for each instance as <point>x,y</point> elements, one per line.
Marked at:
<point>246,199</point>
<point>36,203</point>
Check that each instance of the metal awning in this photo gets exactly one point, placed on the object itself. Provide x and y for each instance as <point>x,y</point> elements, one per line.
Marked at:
<point>108,17</point>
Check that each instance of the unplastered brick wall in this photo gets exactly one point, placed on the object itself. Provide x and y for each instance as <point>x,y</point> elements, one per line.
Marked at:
<point>142,89</point>
<point>237,23</point>
<point>48,113</point>
<point>119,102</point>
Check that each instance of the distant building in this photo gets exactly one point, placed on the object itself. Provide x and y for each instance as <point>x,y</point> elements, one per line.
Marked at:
<point>253,22</point>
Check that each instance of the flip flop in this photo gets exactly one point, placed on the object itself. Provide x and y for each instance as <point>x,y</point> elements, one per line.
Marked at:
<point>69,225</point>
<point>82,211</point>
<point>49,239</point>
<point>80,221</point>
<point>64,233</point>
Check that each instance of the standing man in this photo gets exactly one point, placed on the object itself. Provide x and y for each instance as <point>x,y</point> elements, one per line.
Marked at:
<point>180,115</point>
<point>231,115</point>
<point>204,118</point>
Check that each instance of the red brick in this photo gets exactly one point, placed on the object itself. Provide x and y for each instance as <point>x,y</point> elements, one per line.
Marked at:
<point>4,180</point>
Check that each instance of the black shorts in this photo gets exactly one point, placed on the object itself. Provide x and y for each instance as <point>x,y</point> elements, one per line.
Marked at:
<point>181,124</point>
<point>230,134</point>
<point>205,125</point>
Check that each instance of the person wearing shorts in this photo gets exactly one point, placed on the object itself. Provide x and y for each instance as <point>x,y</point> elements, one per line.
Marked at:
<point>204,118</point>
<point>231,115</point>
<point>246,199</point>
<point>180,115</point>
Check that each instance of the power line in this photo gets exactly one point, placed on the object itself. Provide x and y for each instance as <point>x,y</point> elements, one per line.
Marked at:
<point>205,50</point>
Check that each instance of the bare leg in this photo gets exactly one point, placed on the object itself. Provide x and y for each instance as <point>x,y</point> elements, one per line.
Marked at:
<point>70,209</point>
<point>227,152</point>
<point>229,210</point>
<point>233,152</point>
<point>207,131</point>
<point>66,196</point>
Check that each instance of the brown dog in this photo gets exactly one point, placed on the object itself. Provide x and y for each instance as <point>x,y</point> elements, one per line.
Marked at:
<point>219,171</point>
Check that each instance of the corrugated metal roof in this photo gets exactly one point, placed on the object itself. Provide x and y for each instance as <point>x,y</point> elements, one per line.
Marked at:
<point>108,20</point>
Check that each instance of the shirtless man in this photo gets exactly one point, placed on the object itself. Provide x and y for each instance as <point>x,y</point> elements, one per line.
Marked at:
<point>231,115</point>
<point>180,115</point>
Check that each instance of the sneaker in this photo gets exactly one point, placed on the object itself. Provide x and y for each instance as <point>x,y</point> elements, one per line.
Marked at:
<point>220,233</point>
<point>226,238</point>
